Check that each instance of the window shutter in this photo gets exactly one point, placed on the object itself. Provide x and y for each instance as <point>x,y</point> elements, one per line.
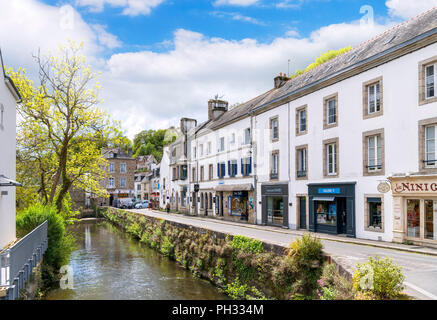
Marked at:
<point>218,170</point>
<point>229,168</point>
<point>250,166</point>
<point>242,167</point>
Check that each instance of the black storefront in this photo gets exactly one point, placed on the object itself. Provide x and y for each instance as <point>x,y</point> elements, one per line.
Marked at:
<point>332,208</point>
<point>275,204</point>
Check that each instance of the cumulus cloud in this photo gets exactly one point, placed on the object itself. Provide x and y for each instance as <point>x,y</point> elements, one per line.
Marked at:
<point>243,3</point>
<point>130,7</point>
<point>407,9</point>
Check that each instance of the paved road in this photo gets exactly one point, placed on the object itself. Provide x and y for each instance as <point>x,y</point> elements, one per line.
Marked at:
<point>420,270</point>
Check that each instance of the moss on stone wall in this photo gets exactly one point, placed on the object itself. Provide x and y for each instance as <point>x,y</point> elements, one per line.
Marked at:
<point>243,268</point>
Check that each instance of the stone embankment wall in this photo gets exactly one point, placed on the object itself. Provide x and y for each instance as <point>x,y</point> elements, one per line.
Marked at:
<point>244,268</point>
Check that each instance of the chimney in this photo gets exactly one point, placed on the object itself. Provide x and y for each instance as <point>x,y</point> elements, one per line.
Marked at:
<point>187,124</point>
<point>280,80</point>
<point>216,108</point>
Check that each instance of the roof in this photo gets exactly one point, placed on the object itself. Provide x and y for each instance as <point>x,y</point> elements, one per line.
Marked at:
<point>9,83</point>
<point>404,34</point>
<point>121,154</point>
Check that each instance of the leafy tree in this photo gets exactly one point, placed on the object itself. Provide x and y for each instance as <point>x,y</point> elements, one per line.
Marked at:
<point>62,130</point>
<point>152,142</point>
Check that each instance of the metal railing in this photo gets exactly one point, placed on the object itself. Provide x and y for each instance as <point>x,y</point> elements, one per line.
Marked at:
<point>17,262</point>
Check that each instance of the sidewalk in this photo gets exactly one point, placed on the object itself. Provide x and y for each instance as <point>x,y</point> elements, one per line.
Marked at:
<point>419,264</point>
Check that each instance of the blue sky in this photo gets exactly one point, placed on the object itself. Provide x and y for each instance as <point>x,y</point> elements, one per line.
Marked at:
<point>161,60</point>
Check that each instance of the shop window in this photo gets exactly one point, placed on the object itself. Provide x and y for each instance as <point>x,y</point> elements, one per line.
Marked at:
<point>274,129</point>
<point>301,120</point>
<point>431,219</point>
<point>326,213</point>
<point>301,162</point>
<point>330,111</point>
<point>413,218</point>
<point>374,212</point>
<point>275,210</point>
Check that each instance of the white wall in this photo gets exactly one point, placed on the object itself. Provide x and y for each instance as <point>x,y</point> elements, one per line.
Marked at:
<point>7,164</point>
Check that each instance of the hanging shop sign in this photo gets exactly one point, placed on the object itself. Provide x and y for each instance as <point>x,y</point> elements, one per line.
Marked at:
<point>383,187</point>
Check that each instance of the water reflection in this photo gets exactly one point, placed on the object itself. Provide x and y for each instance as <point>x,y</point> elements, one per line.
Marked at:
<point>110,265</point>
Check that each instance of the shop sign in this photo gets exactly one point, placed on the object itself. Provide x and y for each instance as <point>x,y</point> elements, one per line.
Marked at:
<point>123,195</point>
<point>405,187</point>
<point>329,191</point>
<point>240,194</point>
<point>383,187</point>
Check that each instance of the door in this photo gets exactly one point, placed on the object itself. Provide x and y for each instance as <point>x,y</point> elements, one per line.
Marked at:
<point>342,216</point>
<point>275,211</point>
<point>302,212</point>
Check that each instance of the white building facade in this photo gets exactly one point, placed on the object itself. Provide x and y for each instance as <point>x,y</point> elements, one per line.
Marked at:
<point>8,100</point>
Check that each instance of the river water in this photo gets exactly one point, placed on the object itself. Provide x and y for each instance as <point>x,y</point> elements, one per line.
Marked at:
<point>111,265</point>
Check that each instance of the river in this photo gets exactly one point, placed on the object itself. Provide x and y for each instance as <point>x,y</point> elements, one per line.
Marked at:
<point>110,265</point>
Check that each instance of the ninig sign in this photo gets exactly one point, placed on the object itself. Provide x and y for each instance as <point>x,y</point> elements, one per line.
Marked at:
<point>405,187</point>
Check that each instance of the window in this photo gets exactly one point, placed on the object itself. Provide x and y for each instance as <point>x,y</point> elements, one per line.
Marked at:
<point>330,168</point>
<point>193,176</point>
<point>184,172</point>
<point>194,153</point>
<point>332,158</point>
<point>208,148</point>
<point>232,168</point>
<point>232,138</point>
<point>372,98</point>
<point>221,144</point>
<point>413,218</point>
<point>373,152</point>
<point>211,172</point>
<point>122,182</point>
<point>301,162</point>
<point>427,81</point>
<point>221,170</point>
<point>374,104</point>
<point>246,166</point>
<point>175,173</point>
<point>274,165</point>
<point>326,213</point>
<point>201,150</point>
<point>111,167</point>
<point>431,219</point>
<point>374,213</point>
<point>274,127</point>
<point>430,80</point>
<point>2,115</point>
<point>301,120</point>
<point>430,146</point>
<point>202,177</point>
<point>247,136</point>
<point>330,111</point>
<point>111,183</point>
<point>122,167</point>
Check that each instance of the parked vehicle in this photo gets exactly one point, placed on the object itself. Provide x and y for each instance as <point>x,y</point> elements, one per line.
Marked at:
<point>142,205</point>
<point>126,203</point>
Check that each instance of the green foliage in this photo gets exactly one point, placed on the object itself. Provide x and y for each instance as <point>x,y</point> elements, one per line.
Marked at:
<point>306,259</point>
<point>152,142</point>
<point>247,244</point>
<point>333,286</point>
<point>167,247</point>
<point>324,57</point>
<point>379,278</point>
<point>236,290</point>
<point>61,243</point>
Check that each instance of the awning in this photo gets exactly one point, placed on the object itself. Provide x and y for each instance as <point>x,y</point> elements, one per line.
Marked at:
<point>6,182</point>
<point>329,199</point>
<point>235,187</point>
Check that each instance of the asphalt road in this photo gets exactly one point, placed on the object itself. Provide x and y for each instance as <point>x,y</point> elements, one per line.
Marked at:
<point>420,270</point>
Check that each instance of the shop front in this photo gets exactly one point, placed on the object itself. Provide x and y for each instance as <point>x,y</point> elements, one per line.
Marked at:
<point>236,202</point>
<point>275,204</point>
<point>415,209</point>
<point>332,208</point>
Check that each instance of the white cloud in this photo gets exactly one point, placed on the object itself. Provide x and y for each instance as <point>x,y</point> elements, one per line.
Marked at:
<point>407,8</point>
<point>105,38</point>
<point>289,4</point>
<point>130,7</point>
<point>238,17</point>
<point>243,3</point>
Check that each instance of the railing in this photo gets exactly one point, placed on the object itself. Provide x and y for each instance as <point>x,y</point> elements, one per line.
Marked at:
<point>17,262</point>
<point>301,174</point>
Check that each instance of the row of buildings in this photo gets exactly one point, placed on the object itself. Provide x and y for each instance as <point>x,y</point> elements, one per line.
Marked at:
<point>348,148</point>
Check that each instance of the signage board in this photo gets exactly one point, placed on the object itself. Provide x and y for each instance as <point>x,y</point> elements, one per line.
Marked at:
<point>329,191</point>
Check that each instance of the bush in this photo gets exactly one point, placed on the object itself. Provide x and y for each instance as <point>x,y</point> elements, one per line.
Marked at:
<point>60,242</point>
<point>333,286</point>
<point>378,278</point>
<point>306,259</point>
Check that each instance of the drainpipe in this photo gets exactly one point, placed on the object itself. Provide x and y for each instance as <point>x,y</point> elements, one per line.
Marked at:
<point>290,204</point>
<point>253,151</point>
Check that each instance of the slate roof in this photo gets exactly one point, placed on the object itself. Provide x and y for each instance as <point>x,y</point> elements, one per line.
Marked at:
<point>423,24</point>
<point>380,45</point>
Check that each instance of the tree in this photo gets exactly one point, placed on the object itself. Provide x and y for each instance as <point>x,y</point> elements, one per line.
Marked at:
<point>61,129</point>
<point>151,142</point>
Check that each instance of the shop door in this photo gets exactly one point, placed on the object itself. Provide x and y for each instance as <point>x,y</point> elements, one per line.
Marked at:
<point>275,211</point>
<point>342,216</point>
<point>302,212</point>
